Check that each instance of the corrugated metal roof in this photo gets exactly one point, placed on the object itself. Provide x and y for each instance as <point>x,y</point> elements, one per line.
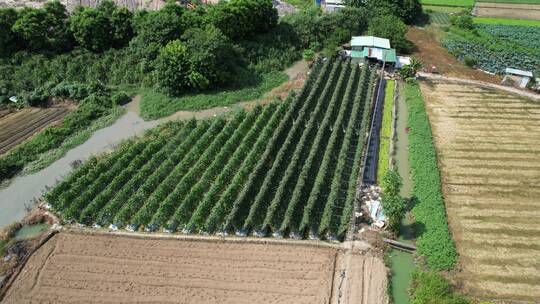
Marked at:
<point>518,72</point>
<point>370,41</point>
<point>356,54</point>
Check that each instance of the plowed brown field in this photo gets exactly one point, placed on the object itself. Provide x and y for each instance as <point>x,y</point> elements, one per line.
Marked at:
<point>81,268</point>
<point>488,144</point>
<point>16,127</point>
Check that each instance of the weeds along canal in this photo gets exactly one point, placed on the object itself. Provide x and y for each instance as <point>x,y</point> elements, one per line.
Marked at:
<point>402,263</point>
<point>19,194</point>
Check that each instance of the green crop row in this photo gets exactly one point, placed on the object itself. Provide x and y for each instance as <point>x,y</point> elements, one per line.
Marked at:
<point>433,240</point>
<point>265,171</point>
<point>386,130</point>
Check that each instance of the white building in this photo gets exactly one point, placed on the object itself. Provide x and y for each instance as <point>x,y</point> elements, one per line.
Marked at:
<point>517,77</point>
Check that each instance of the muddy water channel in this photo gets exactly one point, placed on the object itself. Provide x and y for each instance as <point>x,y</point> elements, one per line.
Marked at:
<point>402,264</point>
<point>22,190</point>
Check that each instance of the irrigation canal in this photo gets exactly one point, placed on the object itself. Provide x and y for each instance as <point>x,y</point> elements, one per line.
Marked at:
<point>401,263</point>
<point>23,190</point>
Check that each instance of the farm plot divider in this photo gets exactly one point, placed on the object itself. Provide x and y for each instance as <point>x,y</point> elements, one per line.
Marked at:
<point>287,169</point>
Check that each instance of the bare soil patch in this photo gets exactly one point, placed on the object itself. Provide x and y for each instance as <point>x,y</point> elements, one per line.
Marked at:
<point>97,268</point>
<point>507,10</point>
<point>436,58</point>
<point>18,126</point>
<point>489,155</point>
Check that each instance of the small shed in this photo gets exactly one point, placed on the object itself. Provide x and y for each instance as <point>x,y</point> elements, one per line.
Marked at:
<point>331,5</point>
<point>517,77</point>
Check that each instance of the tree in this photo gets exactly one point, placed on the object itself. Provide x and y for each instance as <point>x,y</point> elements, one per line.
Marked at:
<point>158,27</point>
<point>240,19</point>
<point>173,68</point>
<point>393,204</point>
<point>406,10</point>
<point>391,183</point>
<point>392,28</point>
<point>211,57</point>
<point>462,20</point>
<point>8,17</point>
<point>32,27</point>
<point>121,27</point>
<point>91,29</point>
<point>409,71</point>
<point>394,210</point>
<point>59,36</point>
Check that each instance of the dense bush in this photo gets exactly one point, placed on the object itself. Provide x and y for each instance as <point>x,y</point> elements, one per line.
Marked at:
<point>431,287</point>
<point>407,10</point>
<point>100,28</point>
<point>434,240</point>
<point>392,28</point>
<point>392,202</point>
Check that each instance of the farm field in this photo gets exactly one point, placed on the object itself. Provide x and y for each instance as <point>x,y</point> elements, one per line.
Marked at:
<point>508,10</point>
<point>495,47</point>
<point>506,21</point>
<point>16,127</point>
<point>488,150</point>
<point>288,169</point>
<point>73,267</point>
<point>511,1</point>
<point>460,3</point>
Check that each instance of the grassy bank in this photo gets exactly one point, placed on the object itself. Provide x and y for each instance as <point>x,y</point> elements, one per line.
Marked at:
<point>47,158</point>
<point>155,104</point>
<point>386,130</point>
<point>433,236</point>
<point>459,3</point>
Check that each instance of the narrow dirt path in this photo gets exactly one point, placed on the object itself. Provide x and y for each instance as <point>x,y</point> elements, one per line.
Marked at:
<point>20,192</point>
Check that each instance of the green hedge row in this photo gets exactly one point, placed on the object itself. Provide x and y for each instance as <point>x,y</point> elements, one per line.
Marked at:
<point>433,241</point>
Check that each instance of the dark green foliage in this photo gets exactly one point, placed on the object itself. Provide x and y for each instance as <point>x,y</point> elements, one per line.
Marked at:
<point>391,183</point>
<point>8,17</point>
<point>431,288</point>
<point>394,210</point>
<point>391,27</point>
<point>120,98</point>
<point>407,10</point>
<point>173,68</point>
<point>43,29</point>
<point>241,19</point>
<point>463,20</point>
<point>100,28</point>
<point>392,202</point>
<point>433,240</point>
<point>316,30</point>
<point>90,28</point>
<point>211,56</point>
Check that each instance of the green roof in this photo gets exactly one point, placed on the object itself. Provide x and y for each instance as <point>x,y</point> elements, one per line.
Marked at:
<point>380,54</point>
<point>357,54</point>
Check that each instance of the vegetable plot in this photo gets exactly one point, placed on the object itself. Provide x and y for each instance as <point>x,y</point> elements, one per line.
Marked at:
<point>287,168</point>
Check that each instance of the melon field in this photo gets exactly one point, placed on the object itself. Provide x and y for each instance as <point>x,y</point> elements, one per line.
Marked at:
<point>488,146</point>
<point>288,168</point>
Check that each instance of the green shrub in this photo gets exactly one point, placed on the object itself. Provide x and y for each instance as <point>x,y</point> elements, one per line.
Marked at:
<point>431,288</point>
<point>470,61</point>
<point>433,240</point>
<point>120,98</point>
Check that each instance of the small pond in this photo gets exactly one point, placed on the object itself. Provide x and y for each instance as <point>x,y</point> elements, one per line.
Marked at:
<point>29,231</point>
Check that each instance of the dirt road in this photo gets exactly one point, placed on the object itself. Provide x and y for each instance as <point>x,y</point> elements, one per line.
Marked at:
<point>104,268</point>
<point>436,58</point>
